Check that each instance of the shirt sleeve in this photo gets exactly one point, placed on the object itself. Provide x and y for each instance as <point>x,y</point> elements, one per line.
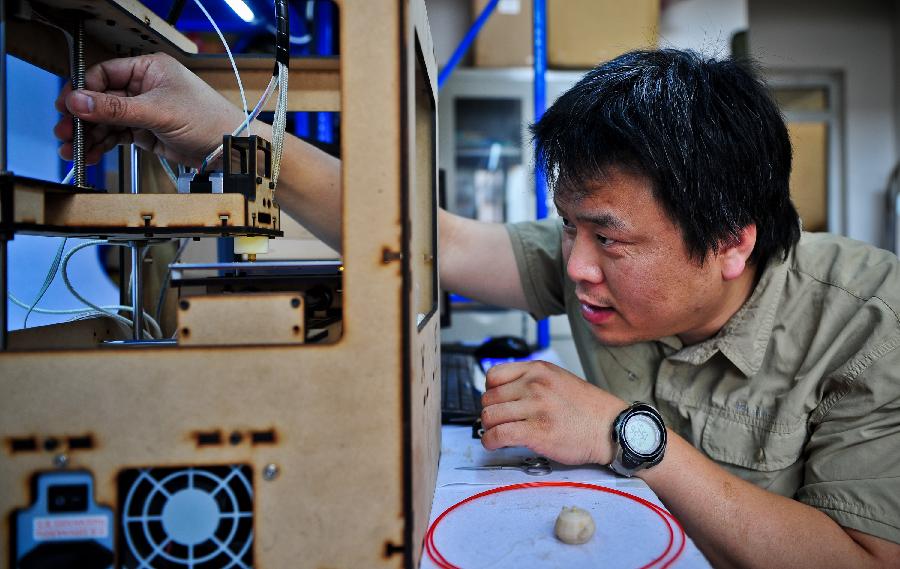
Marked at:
<point>537,246</point>
<point>852,473</point>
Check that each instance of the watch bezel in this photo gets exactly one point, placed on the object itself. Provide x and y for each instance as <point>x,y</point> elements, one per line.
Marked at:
<point>627,460</point>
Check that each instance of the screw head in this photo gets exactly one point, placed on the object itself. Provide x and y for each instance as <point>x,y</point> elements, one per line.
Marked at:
<point>61,460</point>
<point>270,472</point>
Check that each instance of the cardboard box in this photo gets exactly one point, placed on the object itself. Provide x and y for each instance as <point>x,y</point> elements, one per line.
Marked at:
<point>809,176</point>
<point>580,33</point>
<point>506,38</point>
<point>584,33</point>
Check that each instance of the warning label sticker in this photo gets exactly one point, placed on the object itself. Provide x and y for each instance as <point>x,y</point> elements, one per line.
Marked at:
<point>70,527</point>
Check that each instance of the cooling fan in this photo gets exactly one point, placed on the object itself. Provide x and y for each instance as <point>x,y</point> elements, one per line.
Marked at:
<point>186,518</point>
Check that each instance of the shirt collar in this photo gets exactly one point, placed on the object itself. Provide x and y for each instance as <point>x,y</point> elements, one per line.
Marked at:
<point>744,338</point>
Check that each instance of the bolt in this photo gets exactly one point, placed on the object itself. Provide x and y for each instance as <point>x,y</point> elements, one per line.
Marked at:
<point>270,472</point>
<point>61,460</point>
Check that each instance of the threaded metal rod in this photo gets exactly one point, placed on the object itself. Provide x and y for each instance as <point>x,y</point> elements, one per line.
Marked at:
<point>78,68</point>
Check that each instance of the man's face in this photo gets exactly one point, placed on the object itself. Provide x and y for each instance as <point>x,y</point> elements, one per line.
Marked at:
<point>631,269</point>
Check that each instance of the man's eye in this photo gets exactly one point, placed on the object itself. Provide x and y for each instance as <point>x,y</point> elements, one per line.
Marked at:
<point>566,223</point>
<point>606,241</point>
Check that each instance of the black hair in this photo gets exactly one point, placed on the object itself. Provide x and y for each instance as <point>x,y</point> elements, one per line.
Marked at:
<point>706,133</point>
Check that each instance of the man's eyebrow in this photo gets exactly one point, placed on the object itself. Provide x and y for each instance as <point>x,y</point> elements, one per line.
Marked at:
<point>604,220</point>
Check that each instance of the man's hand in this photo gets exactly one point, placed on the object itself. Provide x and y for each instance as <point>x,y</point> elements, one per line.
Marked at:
<point>547,409</point>
<point>151,100</point>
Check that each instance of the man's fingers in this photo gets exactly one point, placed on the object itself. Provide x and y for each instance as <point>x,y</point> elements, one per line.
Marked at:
<point>100,132</point>
<point>505,435</point>
<point>109,109</point>
<point>500,413</point>
<point>504,373</point>
<point>96,149</point>
<point>91,156</point>
<point>125,73</point>
<point>60,102</point>
<point>63,128</point>
<point>101,147</point>
<point>502,393</point>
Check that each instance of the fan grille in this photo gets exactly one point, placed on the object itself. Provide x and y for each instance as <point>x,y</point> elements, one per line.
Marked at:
<point>186,518</point>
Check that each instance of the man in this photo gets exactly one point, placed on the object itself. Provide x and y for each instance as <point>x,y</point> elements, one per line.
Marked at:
<point>679,262</point>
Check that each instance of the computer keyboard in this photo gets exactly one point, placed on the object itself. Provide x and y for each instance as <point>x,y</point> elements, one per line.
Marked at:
<point>460,400</point>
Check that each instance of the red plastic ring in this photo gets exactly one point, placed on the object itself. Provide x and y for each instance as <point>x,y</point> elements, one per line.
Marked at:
<point>441,561</point>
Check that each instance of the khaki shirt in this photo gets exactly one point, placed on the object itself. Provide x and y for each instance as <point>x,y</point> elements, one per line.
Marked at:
<point>799,392</point>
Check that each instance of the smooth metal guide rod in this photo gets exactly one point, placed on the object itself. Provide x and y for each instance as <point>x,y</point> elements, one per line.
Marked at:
<point>135,169</point>
<point>78,69</point>
<point>137,292</point>
<point>123,285</point>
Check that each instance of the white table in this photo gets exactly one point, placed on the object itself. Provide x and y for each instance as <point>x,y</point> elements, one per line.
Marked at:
<point>514,529</point>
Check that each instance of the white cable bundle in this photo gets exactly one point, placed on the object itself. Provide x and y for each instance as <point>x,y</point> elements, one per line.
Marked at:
<point>108,311</point>
<point>280,122</point>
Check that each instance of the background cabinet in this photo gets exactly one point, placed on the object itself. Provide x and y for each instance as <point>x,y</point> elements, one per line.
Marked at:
<point>485,150</point>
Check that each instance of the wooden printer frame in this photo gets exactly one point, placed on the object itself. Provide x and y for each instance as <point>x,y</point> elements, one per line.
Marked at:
<point>345,471</point>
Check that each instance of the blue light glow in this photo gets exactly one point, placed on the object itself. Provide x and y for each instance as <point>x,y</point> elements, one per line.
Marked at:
<point>241,9</point>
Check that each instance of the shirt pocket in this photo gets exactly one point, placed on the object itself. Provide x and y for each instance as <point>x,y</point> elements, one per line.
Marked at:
<point>764,447</point>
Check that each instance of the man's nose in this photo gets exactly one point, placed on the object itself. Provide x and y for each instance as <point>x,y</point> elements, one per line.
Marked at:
<point>583,264</point>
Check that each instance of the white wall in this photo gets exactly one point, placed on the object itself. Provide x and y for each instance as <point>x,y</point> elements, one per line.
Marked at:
<point>856,38</point>
<point>702,25</point>
<point>449,21</point>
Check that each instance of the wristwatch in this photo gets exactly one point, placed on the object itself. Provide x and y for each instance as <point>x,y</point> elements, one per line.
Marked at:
<point>640,438</point>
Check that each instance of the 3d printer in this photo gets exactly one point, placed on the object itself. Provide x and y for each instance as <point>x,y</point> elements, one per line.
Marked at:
<point>294,420</point>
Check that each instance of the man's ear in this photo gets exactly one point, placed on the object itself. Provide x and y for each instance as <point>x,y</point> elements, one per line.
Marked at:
<point>733,257</point>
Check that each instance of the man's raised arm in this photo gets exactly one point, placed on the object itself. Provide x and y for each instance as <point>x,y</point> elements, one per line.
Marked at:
<point>157,103</point>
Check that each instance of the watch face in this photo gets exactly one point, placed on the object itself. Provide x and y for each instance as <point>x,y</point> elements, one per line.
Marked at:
<point>641,434</point>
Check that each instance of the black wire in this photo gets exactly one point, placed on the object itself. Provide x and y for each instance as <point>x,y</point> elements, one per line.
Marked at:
<point>175,11</point>
<point>282,34</point>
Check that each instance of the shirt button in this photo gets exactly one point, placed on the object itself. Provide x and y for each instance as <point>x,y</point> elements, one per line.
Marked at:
<point>761,455</point>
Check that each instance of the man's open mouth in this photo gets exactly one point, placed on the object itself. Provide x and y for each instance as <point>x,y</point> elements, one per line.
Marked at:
<point>596,314</point>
